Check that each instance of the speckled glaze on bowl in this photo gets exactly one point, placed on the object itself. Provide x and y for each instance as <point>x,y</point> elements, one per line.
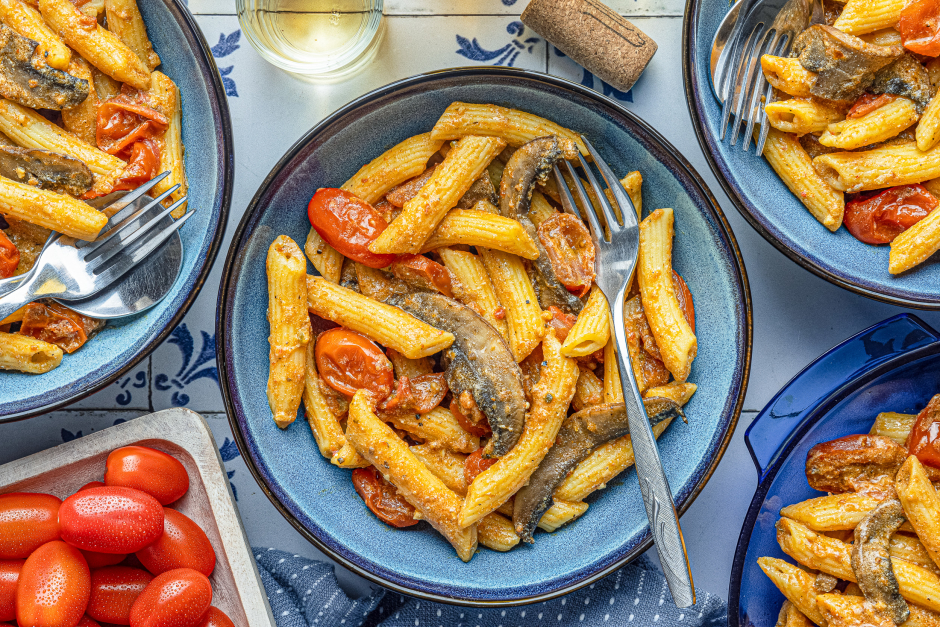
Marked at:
<point>318,498</point>
<point>766,203</point>
<point>207,135</point>
<point>891,366</point>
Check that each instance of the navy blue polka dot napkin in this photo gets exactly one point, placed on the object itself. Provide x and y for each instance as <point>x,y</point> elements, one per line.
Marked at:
<point>304,593</point>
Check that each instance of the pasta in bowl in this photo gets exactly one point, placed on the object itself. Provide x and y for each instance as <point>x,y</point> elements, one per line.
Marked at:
<point>482,362</point>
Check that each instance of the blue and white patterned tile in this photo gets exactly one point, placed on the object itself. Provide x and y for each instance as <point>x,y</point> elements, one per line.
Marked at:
<point>41,432</point>
<point>131,391</point>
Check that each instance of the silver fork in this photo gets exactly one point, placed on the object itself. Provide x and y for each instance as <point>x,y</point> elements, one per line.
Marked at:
<point>69,269</point>
<point>615,262</point>
<point>762,27</point>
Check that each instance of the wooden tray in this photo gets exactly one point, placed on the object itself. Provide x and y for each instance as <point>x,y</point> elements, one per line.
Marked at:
<point>184,434</point>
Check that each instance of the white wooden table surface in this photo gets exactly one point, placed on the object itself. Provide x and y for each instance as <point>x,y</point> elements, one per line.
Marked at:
<point>796,315</point>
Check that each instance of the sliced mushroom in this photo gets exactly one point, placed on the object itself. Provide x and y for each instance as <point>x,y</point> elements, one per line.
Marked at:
<point>45,169</point>
<point>871,561</point>
<point>479,362</point>
<point>848,464</point>
<point>845,64</point>
<point>905,77</point>
<point>580,434</point>
<point>27,80</point>
<point>530,164</point>
<point>482,189</point>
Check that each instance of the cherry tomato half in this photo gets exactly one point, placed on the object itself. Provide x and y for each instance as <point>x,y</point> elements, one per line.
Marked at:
<point>9,256</point>
<point>920,27</point>
<point>924,440</point>
<point>348,224</point>
<point>111,520</point>
<point>348,361</point>
<point>421,271</point>
<point>174,599</point>
<point>464,408</point>
<point>416,395</point>
<point>9,576</point>
<point>215,618</point>
<point>160,475</point>
<point>880,218</point>
<point>27,521</point>
<point>100,560</point>
<point>685,299</point>
<point>475,464</point>
<point>571,251</point>
<point>183,545</point>
<point>113,591</point>
<point>54,587</point>
<point>561,322</point>
<point>382,498</point>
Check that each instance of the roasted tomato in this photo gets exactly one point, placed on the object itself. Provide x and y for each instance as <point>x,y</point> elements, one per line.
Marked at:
<point>127,119</point>
<point>571,251</point>
<point>27,521</point>
<point>416,395</point>
<point>348,361</point>
<point>476,464</point>
<point>685,299</point>
<point>177,597</point>
<point>59,325</point>
<point>469,416</point>
<point>143,164</point>
<point>348,224</point>
<point>382,498</point>
<point>878,219</point>
<point>561,322</point>
<point>868,103</point>
<point>924,440</point>
<point>113,592</point>
<point>9,577</point>
<point>54,587</point>
<point>215,618</point>
<point>419,271</point>
<point>9,256</point>
<point>920,27</point>
<point>111,520</point>
<point>160,475</point>
<point>183,545</point>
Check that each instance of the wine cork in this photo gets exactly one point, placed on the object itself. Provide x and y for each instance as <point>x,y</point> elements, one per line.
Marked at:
<point>595,36</point>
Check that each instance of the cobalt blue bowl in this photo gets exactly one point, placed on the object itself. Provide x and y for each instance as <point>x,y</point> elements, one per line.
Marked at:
<point>892,366</point>
<point>207,135</point>
<point>318,498</point>
<point>766,203</point>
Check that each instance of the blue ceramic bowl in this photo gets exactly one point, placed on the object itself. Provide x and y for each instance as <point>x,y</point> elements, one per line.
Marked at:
<point>892,366</point>
<point>765,202</point>
<point>207,134</point>
<point>318,498</point>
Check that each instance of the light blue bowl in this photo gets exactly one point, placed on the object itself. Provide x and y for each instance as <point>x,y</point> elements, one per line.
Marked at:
<point>318,498</point>
<point>764,201</point>
<point>207,135</point>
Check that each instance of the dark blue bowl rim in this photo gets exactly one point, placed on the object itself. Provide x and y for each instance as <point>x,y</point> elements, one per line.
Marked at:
<point>733,191</point>
<point>795,439</point>
<point>253,214</point>
<point>219,102</point>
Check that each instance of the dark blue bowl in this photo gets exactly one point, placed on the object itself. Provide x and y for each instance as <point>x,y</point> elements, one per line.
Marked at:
<point>892,366</point>
<point>207,134</point>
<point>318,498</point>
<point>764,201</point>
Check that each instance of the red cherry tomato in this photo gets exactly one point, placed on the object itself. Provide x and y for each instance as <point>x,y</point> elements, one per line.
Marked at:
<point>100,560</point>
<point>466,405</point>
<point>920,27</point>
<point>348,361</point>
<point>570,250</point>
<point>382,498</point>
<point>348,224</point>
<point>880,218</point>
<point>561,322</point>
<point>416,395</point>
<point>91,484</point>
<point>148,470</point>
<point>685,299</point>
<point>111,520</point>
<point>215,618</point>
<point>924,440</point>
<point>421,271</point>
<point>54,587</point>
<point>177,598</point>
<point>27,521</point>
<point>87,622</point>
<point>9,576</point>
<point>183,545</point>
<point>9,256</point>
<point>476,464</point>
<point>113,591</point>
<point>867,103</point>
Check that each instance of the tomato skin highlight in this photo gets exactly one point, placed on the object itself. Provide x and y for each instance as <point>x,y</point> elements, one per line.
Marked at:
<point>9,577</point>
<point>111,520</point>
<point>54,587</point>
<point>160,475</point>
<point>349,361</point>
<point>183,545</point>
<point>348,224</point>
<point>215,618</point>
<point>920,27</point>
<point>880,218</point>
<point>381,497</point>
<point>475,464</point>
<point>113,591</point>
<point>177,598</point>
<point>27,521</point>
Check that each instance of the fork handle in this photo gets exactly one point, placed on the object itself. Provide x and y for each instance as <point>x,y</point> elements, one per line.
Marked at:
<point>657,497</point>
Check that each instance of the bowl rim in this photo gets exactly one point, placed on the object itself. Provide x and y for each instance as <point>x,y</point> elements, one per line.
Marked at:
<point>203,266</point>
<point>226,292</point>
<point>689,22</point>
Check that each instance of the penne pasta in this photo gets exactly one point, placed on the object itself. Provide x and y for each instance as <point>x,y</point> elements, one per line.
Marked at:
<point>59,212</point>
<point>290,328</point>
<point>540,210</point>
<point>927,132</point>
<point>893,425</point>
<point>478,292</point>
<point>921,504</point>
<point>916,244</point>
<point>866,16</point>
<point>561,513</point>
<point>801,115</point>
<point>419,486</point>
<point>613,389</point>
<point>82,121</point>
<point>437,427</point>
<point>387,325</point>
<point>876,126</point>
<point>451,179</point>
<point>911,549</point>
<point>405,367</point>
<point>27,354</point>
<point>125,21</point>
<point>591,331</point>
<point>788,75</point>
<point>164,92</point>
<point>797,585</point>
<point>396,165</point>
<point>633,184</point>
<point>514,290</point>
<point>588,391</point>
<point>471,227</point>
<point>325,258</point>
<point>887,166</point>
<point>848,609</point>
<point>26,21</point>
<point>831,513</point>
<point>496,533</point>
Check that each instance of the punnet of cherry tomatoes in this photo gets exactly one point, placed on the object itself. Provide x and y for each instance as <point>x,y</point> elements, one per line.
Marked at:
<point>113,553</point>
